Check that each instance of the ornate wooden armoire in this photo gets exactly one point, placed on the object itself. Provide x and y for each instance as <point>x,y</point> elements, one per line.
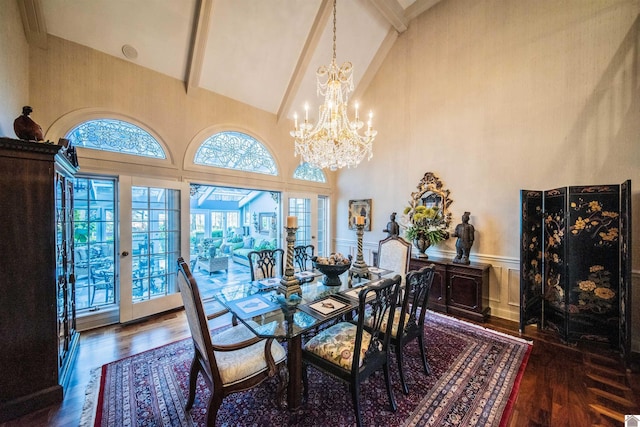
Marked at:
<point>575,263</point>
<point>37,296</point>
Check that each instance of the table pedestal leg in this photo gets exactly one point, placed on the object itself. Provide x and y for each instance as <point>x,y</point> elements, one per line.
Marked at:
<point>294,364</point>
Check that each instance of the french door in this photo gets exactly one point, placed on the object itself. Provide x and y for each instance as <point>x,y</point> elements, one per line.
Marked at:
<point>153,214</point>
<point>313,220</point>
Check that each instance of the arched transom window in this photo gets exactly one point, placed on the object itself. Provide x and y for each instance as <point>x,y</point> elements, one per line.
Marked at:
<point>309,173</point>
<point>117,136</point>
<point>236,150</point>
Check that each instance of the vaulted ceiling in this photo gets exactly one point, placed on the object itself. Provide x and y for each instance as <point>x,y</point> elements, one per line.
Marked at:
<point>264,53</point>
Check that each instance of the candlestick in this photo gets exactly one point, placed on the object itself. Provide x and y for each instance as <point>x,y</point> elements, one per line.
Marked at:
<point>289,285</point>
<point>359,268</point>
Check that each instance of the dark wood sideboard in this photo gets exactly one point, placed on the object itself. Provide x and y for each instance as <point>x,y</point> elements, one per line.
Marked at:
<point>37,295</point>
<point>458,289</point>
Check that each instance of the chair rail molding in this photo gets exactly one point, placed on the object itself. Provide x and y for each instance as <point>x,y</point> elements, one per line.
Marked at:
<point>504,281</point>
<point>504,275</point>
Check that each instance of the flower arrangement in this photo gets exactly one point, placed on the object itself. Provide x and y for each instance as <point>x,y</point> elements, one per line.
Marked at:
<point>428,223</point>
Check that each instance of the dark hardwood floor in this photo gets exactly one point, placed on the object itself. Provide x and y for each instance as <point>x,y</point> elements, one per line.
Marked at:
<point>571,386</point>
<point>561,386</point>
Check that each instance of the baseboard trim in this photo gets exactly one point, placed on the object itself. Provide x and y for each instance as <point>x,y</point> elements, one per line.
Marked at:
<point>96,319</point>
<point>32,402</point>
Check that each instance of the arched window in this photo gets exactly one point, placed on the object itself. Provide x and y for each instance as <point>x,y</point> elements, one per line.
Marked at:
<point>309,173</point>
<point>116,136</point>
<point>236,150</point>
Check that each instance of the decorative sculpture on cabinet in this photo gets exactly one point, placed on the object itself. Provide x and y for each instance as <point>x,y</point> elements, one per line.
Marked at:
<point>465,233</point>
<point>393,229</point>
<point>26,128</point>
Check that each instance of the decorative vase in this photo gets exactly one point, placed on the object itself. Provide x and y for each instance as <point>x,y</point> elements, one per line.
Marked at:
<point>422,244</point>
<point>331,272</point>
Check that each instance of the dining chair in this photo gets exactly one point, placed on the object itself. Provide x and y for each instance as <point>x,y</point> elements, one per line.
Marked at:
<point>394,254</point>
<point>349,352</point>
<point>408,323</point>
<point>302,256</point>
<point>266,263</point>
<point>231,361</point>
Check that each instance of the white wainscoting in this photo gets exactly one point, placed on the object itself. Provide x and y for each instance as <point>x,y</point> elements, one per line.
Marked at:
<point>504,282</point>
<point>504,275</point>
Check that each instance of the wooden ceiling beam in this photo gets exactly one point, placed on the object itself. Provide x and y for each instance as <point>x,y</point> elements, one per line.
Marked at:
<point>310,45</point>
<point>35,29</point>
<point>392,12</point>
<point>198,44</point>
<point>419,7</point>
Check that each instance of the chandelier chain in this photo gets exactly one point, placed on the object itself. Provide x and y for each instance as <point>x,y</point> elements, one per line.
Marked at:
<point>334,30</point>
<point>334,142</point>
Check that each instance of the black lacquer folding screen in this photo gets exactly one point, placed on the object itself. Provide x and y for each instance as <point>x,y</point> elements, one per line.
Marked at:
<point>575,263</point>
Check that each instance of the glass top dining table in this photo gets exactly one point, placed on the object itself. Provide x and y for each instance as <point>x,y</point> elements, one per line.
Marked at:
<point>260,307</point>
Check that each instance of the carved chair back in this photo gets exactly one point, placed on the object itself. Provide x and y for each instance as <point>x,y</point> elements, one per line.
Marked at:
<point>410,321</point>
<point>266,263</point>
<point>302,256</point>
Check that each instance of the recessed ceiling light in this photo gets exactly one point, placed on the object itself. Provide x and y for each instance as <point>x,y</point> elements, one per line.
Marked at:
<point>129,51</point>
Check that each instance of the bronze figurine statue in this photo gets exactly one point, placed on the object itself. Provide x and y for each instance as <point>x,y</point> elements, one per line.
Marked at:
<point>393,229</point>
<point>465,233</point>
<point>26,128</point>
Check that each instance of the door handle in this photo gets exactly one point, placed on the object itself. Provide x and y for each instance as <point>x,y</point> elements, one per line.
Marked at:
<point>125,253</point>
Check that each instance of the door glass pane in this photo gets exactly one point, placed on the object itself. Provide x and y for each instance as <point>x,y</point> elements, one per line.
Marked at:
<point>217,219</point>
<point>94,240</point>
<point>301,208</point>
<point>197,230</point>
<point>155,233</point>
<point>233,219</point>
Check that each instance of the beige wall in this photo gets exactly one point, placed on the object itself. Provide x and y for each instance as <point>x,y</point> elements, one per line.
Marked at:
<point>73,83</point>
<point>14,67</point>
<point>498,96</point>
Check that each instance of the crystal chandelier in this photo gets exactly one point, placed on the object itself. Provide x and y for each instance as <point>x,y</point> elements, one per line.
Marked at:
<point>334,142</point>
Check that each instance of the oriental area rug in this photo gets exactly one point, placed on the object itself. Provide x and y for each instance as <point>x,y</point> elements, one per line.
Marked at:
<point>474,381</point>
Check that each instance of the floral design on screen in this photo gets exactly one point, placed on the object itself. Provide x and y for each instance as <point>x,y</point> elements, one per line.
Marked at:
<point>554,228</point>
<point>594,294</point>
<point>600,224</point>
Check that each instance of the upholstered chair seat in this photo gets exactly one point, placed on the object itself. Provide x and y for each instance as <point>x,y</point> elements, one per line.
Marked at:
<point>238,365</point>
<point>337,343</point>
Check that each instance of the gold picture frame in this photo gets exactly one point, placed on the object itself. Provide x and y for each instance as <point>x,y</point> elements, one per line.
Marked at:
<point>360,208</point>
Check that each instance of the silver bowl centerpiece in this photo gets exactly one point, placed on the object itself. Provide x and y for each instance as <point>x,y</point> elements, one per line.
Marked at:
<point>332,267</point>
